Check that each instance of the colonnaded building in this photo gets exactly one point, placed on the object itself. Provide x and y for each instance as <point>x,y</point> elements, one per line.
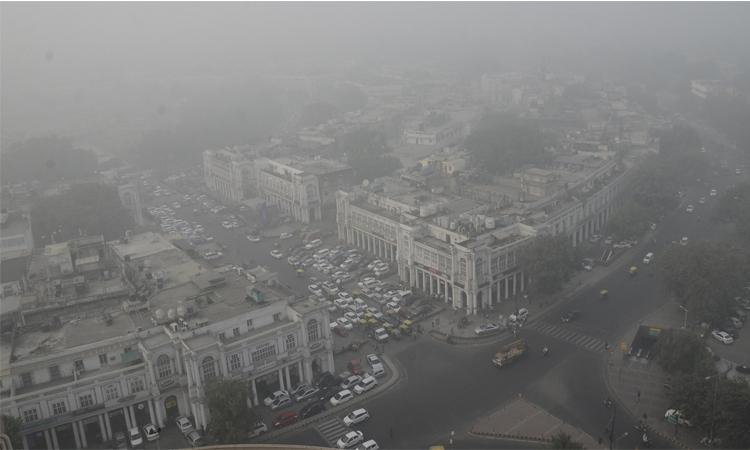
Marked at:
<point>457,234</point>
<point>142,328</point>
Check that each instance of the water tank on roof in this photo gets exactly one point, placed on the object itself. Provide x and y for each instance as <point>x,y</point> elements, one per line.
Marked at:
<point>171,314</point>
<point>181,311</point>
<point>159,314</point>
<point>489,223</point>
<point>453,225</point>
<point>173,326</point>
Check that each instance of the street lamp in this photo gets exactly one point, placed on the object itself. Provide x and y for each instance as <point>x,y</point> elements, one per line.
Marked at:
<point>684,322</point>
<point>713,405</point>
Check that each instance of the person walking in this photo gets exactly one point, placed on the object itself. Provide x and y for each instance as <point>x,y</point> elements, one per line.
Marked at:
<point>391,433</point>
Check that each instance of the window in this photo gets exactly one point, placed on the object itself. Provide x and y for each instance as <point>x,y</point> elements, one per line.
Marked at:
<point>264,352</point>
<point>137,385</point>
<point>235,362</point>
<point>86,400</point>
<point>277,317</point>
<point>78,364</point>
<point>163,366</point>
<point>30,415</point>
<point>111,392</point>
<point>103,359</point>
<point>26,379</point>
<point>249,324</point>
<point>236,331</point>
<point>54,372</point>
<point>208,367</point>
<point>313,330</point>
<point>291,342</point>
<point>222,336</point>
<point>59,407</point>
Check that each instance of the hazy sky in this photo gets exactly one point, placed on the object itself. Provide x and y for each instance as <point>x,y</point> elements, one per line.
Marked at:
<point>52,48</point>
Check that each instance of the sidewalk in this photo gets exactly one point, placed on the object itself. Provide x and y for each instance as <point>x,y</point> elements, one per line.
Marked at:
<point>638,384</point>
<point>446,322</point>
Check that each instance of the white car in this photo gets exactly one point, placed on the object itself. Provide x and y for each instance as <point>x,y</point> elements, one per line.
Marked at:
<point>253,238</point>
<point>713,193</point>
<point>368,383</point>
<point>350,382</point>
<point>648,258</point>
<point>315,289</point>
<point>183,424</point>
<point>341,397</point>
<point>313,244</point>
<point>286,236</point>
<point>369,445</point>
<point>257,429</point>
<point>676,417</point>
<point>271,398</point>
<point>487,328</point>
<point>372,359</point>
<point>277,254</point>
<point>684,240</point>
<point>722,336</point>
<point>350,439</point>
<point>345,296</point>
<point>345,323</point>
<point>280,403</point>
<point>377,370</point>
<point>381,335</point>
<point>690,208</point>
<point>136,438</point>
<point>151,432</point>
<point>356,416</point>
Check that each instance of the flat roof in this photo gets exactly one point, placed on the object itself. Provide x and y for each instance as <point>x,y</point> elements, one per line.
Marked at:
<point>142,245</point>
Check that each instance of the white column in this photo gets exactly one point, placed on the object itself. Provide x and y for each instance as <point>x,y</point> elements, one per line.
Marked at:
<point>128,423</point>
<point>288,378</point>
<point>53,434</point>
<point>108,423</point>
<point>255,392</point>
<point>103,427</point>
<point>281,380</point>
<point>299,373</point>
<point>131,408</point>
<point>25,441</point>
<point>76,435</point>
<point>505,282</point>
<point>48,441</point>
<point>158,407</point>
<point>84,442</point>
<point>151,415</point>
<point>515,284</point>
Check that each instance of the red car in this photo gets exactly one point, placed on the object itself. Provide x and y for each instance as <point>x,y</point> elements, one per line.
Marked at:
<point>355,367</point>
<point>285,418</point>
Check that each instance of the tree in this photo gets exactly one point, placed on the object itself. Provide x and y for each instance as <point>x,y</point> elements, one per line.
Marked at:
<point>502,143</point>
<point>563,440</point>
<point>549,261</point>
<point>230,415</point>
<point>734,206</point>
<point>11,427</point>
<point>92,208</point>
<point>705,277</point>
<point>629,221</point>
<point>366,151</point>
<point>679,351</point>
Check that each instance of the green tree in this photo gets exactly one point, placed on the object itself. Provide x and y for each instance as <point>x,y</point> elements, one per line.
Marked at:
<point>704,277</point>
<point>563,440</point>
<point>11,427</point>
<point>732,413</point>
<point>91,208</point>
<point>679,351</point>
<point>230,415</point>
<point>733,206</point>
<point>549,261</point>
<point>367,152</point>
<point>502,143</point>
<point>629,221</point>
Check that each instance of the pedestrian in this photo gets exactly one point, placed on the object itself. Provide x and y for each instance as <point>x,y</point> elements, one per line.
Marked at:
<point>433,324</point>
<point>391,433</point>
<point>638,396</point>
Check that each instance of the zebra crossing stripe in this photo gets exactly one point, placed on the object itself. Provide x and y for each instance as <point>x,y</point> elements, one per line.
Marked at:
<point>568,335</point>
<point>332,430</point>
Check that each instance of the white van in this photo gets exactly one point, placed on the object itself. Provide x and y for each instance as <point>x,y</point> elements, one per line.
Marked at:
<point>647,259</point>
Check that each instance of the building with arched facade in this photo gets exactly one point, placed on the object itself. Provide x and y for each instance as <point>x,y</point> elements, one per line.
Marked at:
<point>77,381</point>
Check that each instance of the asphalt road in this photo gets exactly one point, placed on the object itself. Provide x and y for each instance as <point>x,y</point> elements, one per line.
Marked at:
<point>449,388</point>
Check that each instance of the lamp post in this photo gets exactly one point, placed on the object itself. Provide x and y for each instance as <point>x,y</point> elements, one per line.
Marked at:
<point>684,322</point>
<point>621,436</point>
<point>713,405</point>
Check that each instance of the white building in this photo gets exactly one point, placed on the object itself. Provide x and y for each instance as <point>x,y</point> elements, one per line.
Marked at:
<point>228,173</point>
<point>462,243</point>
<point>77,381</point>
<point>292,190</point>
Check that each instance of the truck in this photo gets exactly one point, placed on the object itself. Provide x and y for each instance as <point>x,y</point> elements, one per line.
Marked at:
<point>509,353</point>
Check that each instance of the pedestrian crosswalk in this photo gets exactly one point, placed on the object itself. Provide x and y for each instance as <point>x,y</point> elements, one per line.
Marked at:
<point>569,335</point>
<point>332,429</point>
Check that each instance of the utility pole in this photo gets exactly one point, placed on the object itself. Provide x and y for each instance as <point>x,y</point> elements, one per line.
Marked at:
<point>713,407</point>
<point>612,426</point>
<point>684,322</point>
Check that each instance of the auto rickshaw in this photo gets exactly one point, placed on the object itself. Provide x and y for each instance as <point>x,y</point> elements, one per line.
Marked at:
<point>633,270</point>
<point>300,273</point>
<point>603,294</point>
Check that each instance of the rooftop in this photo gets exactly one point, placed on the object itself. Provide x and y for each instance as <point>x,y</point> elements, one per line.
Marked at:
<point>141,246</point>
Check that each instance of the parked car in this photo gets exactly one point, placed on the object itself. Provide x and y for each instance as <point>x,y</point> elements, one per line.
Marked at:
<point>327,379</point>
<point>369,445</point>
<point>257,429</point>
<point>676,417</point>
<point>368,383</point>
<point>271,398</point>
<point>344,323</point>
<point>341,397</point>
<point>350,439</point>
<point>194,439</point>
<point>690,208</point>
<point>312,409</point>
<point>284,419</point>
<point>722,336</point>
<point>277,254</point>
<point>121,442</point>
<point>286,236</point>
<point>151,432</point>
<point>183,424</point>
<point>487,328</point>
<point>372,359</point>
<point>306,394</point>
<point>135,437</point>
<point>743,369</point>
<point>296,391</point>
<point>381,335</point>
<point>350,382</point>
<point>648,258</point>
<point>356,416</point>
<point>280,403</point>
